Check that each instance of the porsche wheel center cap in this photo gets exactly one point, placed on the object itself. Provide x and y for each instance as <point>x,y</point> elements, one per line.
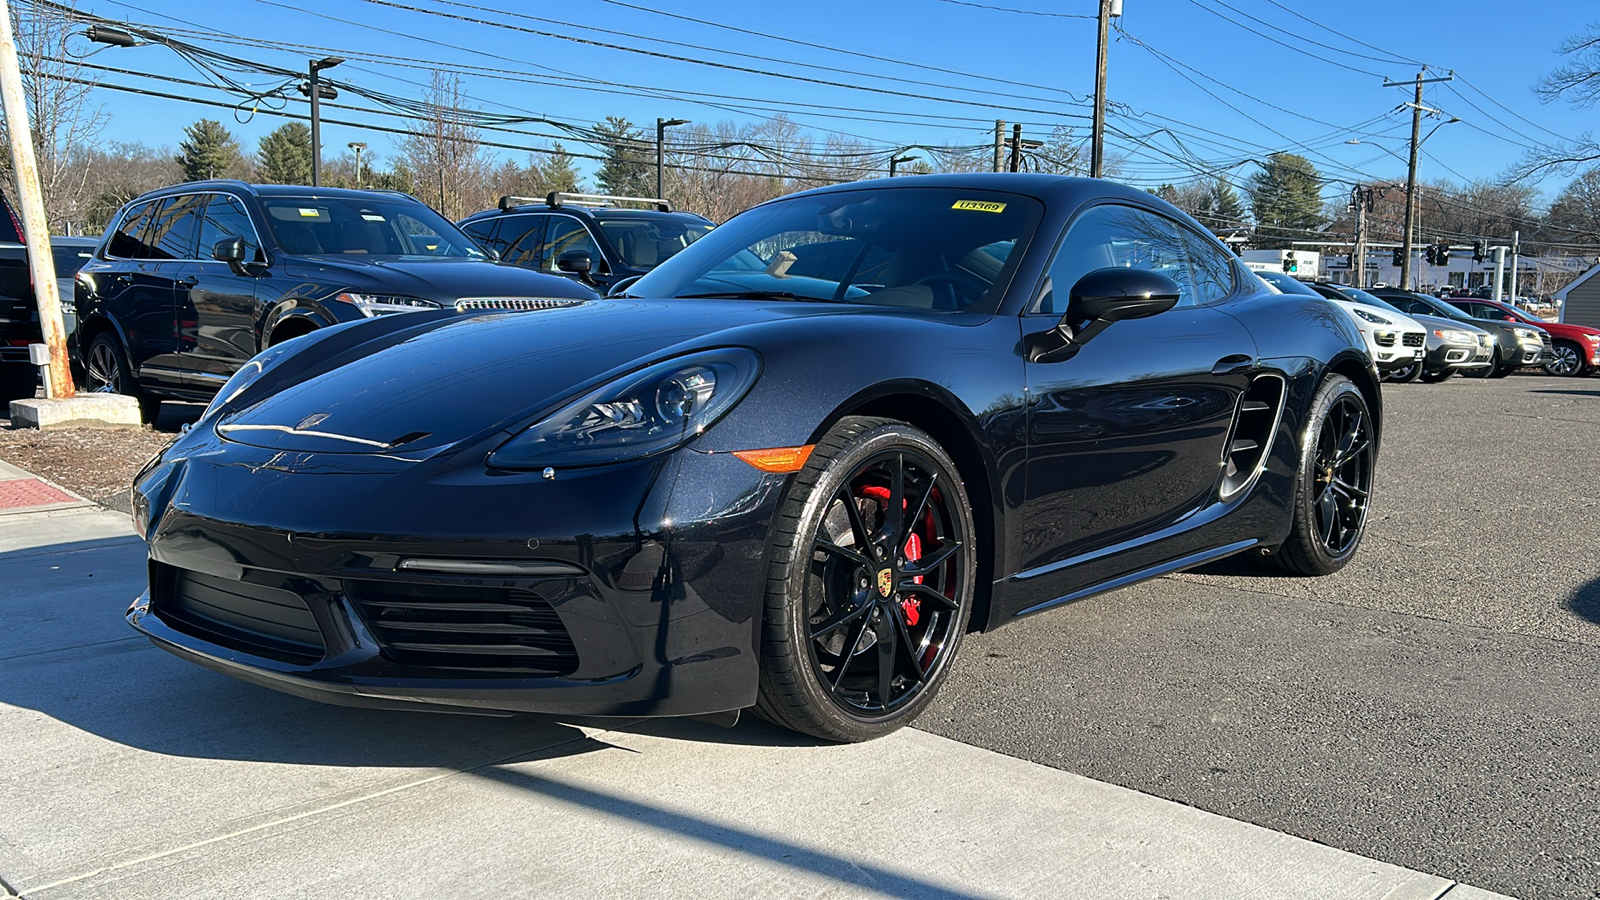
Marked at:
<point>885,581</point>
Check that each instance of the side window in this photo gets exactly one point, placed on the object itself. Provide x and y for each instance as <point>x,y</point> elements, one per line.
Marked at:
<point>126,241</point>
<point>521,236</point>
<point>172,232</point>
<point>1213,271</point>
<point>225,217</point>
<point>482,231</point>
<point>566,235</point>
<point>1113,236</point>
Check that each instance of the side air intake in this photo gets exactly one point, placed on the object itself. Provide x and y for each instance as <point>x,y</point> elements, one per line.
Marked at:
<point>1254,425</point>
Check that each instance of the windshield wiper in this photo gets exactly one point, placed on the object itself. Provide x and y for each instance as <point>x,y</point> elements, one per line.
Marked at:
<point>756,295</point>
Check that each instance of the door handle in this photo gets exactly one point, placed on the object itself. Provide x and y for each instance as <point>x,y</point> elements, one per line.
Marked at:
<point>1233,365</point>
<point>190,281</point>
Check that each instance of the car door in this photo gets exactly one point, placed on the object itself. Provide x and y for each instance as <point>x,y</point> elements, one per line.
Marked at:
<point>222,334</point>
<point>136,290</point>
<point>1127,436</point>
<point>170,244</point>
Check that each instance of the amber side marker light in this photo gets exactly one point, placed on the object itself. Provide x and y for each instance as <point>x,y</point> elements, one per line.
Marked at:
<point>777,459</point>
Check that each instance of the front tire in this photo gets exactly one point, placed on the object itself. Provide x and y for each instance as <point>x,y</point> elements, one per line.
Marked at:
<point>1334,485</point>
<point>1436,377</point>
<point>1566,358</point>
<point>870,582</point>
<point>1404,374</point>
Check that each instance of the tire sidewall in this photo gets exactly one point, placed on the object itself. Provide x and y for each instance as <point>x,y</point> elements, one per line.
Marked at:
<point>1333,389</point>
<point>786,607</point>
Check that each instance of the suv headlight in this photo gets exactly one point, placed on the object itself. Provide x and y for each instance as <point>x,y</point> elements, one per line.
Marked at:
<point>640,414</point>
<point>1451,336</point>
<point>383,304</point>
<point>1370,317</point>
<point>1592,338</point>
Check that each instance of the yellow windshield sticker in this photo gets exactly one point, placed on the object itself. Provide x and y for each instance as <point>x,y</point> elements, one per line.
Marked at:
<point>309,213</point>
<point>980,206</point>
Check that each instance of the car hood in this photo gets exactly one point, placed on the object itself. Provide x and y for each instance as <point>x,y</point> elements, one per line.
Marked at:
<point>440,279</point>
<point>1432,322</point>
<point>452,377</point>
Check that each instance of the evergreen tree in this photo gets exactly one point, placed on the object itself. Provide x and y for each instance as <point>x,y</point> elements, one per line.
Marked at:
<point>208,151</point>
<point>1224,208</point>
<point>284,155</point>
<point>629,167</point>
<point>557,172</point>
<point>1286,200</point>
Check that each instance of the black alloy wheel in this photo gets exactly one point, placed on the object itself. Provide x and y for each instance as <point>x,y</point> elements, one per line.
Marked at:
<point>1335,483</point>
<point>1565,359</point>
<point>870,584</point>
<point>105,371</point>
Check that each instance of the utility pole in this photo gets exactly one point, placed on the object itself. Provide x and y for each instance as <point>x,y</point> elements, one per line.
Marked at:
<point>661,160</point>
<point>58,374</point>
<point>1516,249</point>
<point>357,146</point>
<point>1097,142</point>
<point>1362,198</point>
<point>999,144</point>
<point>315,90</point>
<point>1417,109</point>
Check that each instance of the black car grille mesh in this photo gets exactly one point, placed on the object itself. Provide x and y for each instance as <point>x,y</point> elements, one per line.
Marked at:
<point>488,630</point>
<point>1413,338</point>
<point>253,618</point>
<point>1544,338</point>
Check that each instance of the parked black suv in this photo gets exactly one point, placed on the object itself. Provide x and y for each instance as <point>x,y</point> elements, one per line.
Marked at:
<point>193,280</point>
<point>588,237</point>
<point>19,313</point>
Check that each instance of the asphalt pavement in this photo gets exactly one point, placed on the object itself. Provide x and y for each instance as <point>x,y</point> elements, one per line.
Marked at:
<point>1422,720</point>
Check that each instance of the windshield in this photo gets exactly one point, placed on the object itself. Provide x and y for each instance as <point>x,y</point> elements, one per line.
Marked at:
<point>69,259</point>
<point>364,225</point>
<point>922,248</point>
<point>647,243</point>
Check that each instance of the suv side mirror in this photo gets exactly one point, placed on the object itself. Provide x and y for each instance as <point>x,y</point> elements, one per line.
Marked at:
<point>1098,299</point>
<point>577,262</point>
<point>231,251</point>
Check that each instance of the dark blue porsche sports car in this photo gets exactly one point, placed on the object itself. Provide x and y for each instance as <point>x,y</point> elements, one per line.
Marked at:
<point>785,471</point>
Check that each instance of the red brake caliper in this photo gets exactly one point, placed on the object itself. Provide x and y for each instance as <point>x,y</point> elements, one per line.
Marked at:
<point>911,606</point>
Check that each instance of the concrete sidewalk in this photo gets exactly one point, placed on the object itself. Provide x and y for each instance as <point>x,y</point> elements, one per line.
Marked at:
<point>131,774</point>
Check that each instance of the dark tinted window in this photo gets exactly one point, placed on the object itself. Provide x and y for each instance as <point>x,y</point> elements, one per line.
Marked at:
<point>564,236</point>
<point>226,217</point>
<point>172,233</point>
<point>127,241</point>
<point>10,228</point>
<point>380,225</point>
<point>482,231</point>
<point>1111,236</point>
<point>69,259</point>
<point>1213,268</point>
<point>521,236</point>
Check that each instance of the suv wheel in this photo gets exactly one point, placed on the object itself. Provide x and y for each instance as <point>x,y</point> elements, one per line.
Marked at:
<point>106,371</point>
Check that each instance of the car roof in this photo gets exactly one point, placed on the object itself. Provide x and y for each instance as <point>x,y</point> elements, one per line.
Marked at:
<point>1051,188</point>
<point>273,190</point>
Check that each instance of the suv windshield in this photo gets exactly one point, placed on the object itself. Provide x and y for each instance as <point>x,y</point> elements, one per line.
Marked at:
<point>646,243</point>
<point>924,248</point>
<point>375,226</point>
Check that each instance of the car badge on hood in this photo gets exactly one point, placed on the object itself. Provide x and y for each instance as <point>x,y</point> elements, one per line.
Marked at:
<point>311,421</point>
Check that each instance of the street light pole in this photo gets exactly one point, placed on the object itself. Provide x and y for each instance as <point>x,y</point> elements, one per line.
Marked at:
<point>661,159</point>
<point>895,161</point>
<point>318,65</point>
<point>357,146</point>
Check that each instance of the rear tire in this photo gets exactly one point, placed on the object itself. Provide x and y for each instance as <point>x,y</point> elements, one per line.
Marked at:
<point>1436,377</point>
<point>870,581</point>
<point>1334,485</point>
<point>1404,374</point>
<point>106,371</point>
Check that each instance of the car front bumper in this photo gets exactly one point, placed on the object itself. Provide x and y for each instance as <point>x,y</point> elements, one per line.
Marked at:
<point>635,590</point>
<point>1459,356</point>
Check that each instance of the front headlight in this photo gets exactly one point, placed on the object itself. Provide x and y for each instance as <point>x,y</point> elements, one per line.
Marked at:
<point>1451,336</point>
<point>248,374</point>
<point>1527,335</point>
<point>1370,317</point>
<point>637,415</point>
<point>1592,338</point>
<point>383,304</point>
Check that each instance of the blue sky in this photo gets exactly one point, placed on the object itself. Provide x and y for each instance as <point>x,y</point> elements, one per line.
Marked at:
<point>1253,85</point>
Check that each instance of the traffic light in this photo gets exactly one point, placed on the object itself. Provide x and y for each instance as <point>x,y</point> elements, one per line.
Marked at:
<point>1289,264</point>
<point>1430,254</point>
<point>1443,254</point>
<point>1480,251</point>
<point>1399,256</point>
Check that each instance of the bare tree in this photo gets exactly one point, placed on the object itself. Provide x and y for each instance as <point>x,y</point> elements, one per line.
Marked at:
<point>443,153</point>
<point>1576,81</point>
<point>64,122</point>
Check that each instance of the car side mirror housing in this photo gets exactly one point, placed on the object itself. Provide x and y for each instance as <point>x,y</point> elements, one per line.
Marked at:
<point>577,262</point>
<point>230,250</point>
<point>1100,298</point>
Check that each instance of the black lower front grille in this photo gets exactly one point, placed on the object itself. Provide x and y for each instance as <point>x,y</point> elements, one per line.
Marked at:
<point>1413,338</point>
<point>1385,339</point>
<point>489,630</point>
<point>254,618</point>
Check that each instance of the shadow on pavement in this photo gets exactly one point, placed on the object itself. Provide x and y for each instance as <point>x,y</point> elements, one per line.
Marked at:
<point>1585,601</point>
<point>1571,393</point>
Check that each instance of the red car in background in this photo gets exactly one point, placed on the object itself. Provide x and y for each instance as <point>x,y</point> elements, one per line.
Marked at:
<point>1576,349</point>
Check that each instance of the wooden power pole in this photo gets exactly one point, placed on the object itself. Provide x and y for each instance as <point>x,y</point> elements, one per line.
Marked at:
<point>36,229</point>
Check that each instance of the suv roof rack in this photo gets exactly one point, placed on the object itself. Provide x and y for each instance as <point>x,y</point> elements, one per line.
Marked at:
<point>558,199</point>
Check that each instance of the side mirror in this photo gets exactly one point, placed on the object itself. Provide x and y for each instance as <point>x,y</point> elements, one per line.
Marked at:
<point>494,255</point>
<point>577,262</point>
<point>230,250</point>
<point>1098,299</point>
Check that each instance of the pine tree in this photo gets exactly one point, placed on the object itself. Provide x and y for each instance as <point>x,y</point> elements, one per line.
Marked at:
<point>284,155</point>
<point>557,172</point>
<point>1225,208</point>
<point>629,167</point>
<point>1286,199</point>
<point>208,151</point>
